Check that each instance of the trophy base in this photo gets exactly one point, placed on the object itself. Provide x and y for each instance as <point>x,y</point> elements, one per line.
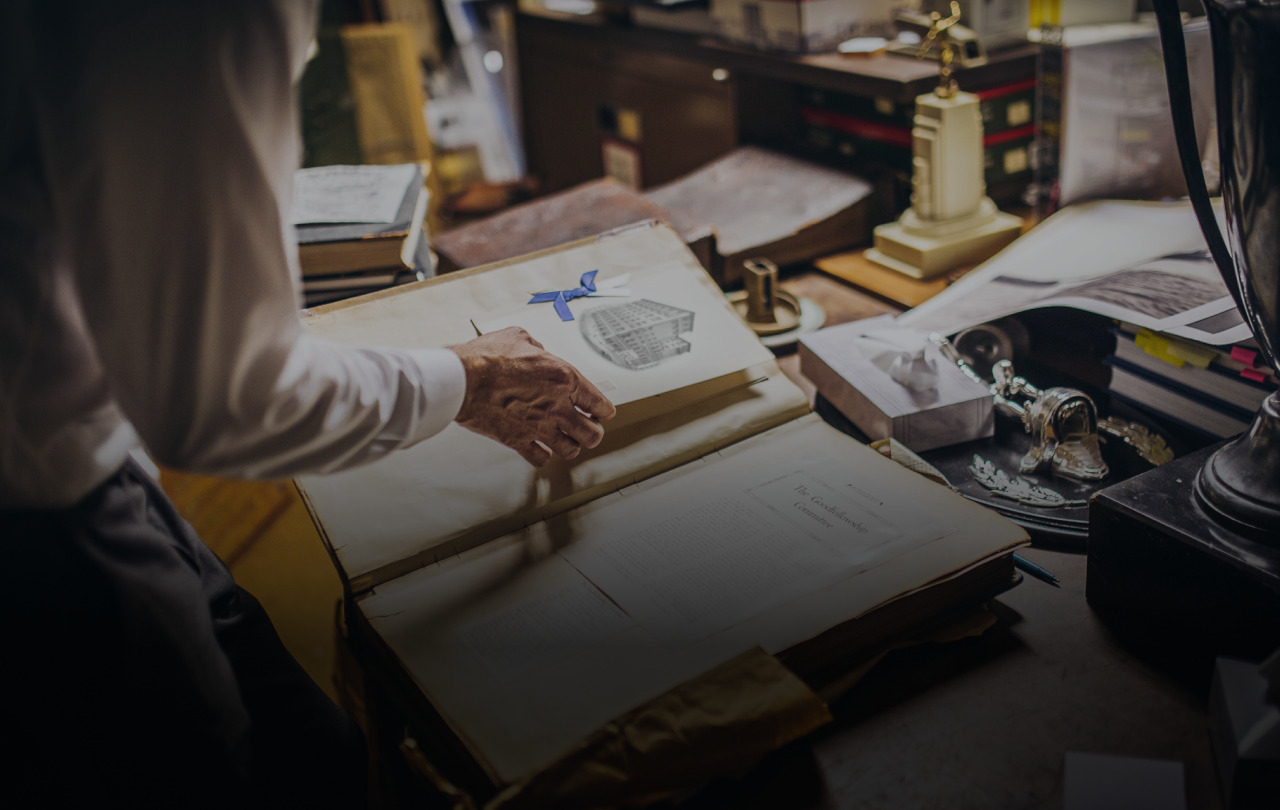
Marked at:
<point>1241,482</point>
<point>1173,580</point>
<point>922,252</point>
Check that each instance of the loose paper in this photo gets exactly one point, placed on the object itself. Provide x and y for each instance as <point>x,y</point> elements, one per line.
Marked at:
<point>1138,262</point>
<point>332,194</point>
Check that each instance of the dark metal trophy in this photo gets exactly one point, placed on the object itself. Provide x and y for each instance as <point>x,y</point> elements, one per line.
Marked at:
<point>1240,482</point>
<point>1194,547</point>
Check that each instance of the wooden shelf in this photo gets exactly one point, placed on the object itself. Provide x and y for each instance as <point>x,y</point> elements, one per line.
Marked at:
<point>893,76</point>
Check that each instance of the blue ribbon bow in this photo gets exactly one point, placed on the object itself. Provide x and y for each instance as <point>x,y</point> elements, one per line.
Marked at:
<point>560,298</point>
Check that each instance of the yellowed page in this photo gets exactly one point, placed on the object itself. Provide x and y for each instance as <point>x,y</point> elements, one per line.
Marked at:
<point>458,489</point>
<point>525,653</point>
<point>669,336</point>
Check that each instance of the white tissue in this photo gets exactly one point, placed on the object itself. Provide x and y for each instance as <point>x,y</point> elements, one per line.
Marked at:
<point>900,353</point>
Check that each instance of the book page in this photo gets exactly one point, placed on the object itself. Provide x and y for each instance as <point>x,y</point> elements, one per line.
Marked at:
<point>534,631</point>
<point>527,644</point>
<point>731,544</point>
<point>459,488</point>
<point>654,334</point>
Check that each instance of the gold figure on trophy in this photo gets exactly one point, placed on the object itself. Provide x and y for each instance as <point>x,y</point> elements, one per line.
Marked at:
<point>939,33</point>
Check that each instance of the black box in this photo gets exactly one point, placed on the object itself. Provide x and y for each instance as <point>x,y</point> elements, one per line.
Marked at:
<point>1173,581</point>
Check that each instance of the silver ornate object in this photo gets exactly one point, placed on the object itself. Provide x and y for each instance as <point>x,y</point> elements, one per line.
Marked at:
<point>1017,489</point>
<point>1150,447</point>
<point>1063,422</point>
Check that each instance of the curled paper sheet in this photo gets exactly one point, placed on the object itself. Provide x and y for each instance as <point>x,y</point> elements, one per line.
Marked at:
<point>900,353</point>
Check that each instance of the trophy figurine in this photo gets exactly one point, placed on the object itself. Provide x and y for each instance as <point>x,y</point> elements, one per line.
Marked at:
<point>951,222</point>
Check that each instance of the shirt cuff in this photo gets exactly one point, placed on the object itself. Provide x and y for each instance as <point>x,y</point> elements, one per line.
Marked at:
<point>445,382</point>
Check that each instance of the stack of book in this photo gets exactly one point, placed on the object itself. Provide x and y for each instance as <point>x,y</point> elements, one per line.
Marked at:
<point>360,229</point>
<point>764,203</point>
<point>1214,390</point>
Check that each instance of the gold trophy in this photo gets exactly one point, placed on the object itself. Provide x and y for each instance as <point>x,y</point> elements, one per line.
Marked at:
<point>951,222</point>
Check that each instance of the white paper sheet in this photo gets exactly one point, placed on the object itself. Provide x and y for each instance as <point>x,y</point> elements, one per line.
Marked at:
<point>332,194</point>
<point>1142,263</point>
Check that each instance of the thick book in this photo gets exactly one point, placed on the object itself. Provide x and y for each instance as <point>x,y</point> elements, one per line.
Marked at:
<point>661,608</point>
<point>336,233</point>
<point>766,204</point>
<point>1190,360</point>
<point>1213,380</point>
<point>583,211</point>
<point>326,289</point>
<point>1185,406</point>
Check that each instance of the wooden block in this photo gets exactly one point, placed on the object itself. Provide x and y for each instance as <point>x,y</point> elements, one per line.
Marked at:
<point>894,286</point>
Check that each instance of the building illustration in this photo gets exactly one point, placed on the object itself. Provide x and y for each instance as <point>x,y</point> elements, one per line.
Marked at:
<point>638,334</point>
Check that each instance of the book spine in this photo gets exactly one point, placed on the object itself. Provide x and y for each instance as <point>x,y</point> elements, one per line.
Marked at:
<point>1163,401</point>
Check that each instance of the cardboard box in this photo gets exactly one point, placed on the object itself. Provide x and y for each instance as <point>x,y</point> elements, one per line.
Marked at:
<point>1244,725</point>
<point>957,410</point>
<point>801,26</point>
<point>1081,12</point>
<point>996,23</point>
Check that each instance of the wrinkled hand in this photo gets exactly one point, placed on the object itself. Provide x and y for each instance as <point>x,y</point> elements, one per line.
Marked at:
<point>529,399</point>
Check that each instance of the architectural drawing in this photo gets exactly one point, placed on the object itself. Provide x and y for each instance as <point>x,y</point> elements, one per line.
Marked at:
<point>638,334</point>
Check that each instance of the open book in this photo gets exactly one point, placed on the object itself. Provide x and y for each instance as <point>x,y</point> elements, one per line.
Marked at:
<point>541,617</point>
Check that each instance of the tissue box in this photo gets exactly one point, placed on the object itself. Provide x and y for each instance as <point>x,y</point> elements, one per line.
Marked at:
<point>957,410</point>
<point>801,26</point>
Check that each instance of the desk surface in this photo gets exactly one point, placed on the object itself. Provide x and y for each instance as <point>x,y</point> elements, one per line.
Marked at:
<point>985,722</point>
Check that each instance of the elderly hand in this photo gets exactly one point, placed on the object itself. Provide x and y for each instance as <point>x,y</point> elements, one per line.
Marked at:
<point>529,399</point>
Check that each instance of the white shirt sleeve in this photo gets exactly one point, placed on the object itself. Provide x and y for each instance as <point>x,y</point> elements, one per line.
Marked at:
<point>171,139</point>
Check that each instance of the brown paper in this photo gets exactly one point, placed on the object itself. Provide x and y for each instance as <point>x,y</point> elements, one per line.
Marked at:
<point>719,722</point>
